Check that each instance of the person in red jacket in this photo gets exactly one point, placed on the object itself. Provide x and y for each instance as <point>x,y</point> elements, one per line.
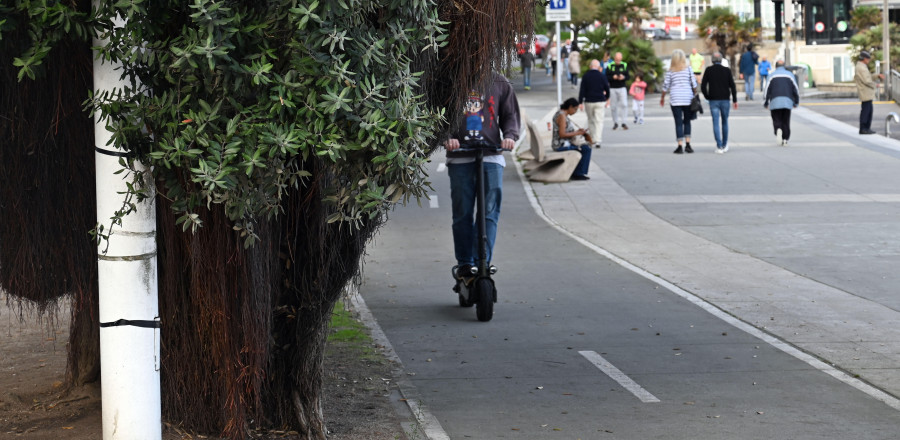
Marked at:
<point>637,91</point>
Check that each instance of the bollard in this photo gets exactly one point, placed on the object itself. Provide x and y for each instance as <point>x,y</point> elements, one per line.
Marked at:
<point>891,117</point>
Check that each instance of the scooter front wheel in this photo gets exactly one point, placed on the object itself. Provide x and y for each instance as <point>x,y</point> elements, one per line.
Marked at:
<point>484,307</point>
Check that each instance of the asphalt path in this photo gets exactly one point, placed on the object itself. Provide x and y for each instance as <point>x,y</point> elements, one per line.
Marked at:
<point>529,372</point>
<point>585,344</point>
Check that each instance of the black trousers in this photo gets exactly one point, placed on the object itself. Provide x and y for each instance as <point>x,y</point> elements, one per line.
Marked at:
<point>865,116</point>
<point>781,118</point>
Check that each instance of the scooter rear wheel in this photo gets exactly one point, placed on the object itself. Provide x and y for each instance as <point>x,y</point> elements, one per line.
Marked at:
<point>484,307</point>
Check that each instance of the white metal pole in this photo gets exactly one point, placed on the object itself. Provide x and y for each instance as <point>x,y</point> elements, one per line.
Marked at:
<point>683,23</point>
<point>886,46</point>
<point>127,279</point>
<point>559,66</point>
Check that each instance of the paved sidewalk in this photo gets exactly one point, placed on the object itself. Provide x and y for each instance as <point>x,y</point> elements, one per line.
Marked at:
<point>802,242</point>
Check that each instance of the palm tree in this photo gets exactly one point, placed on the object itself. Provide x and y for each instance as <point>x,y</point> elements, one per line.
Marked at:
<point>726,32</point>
<point>619,13</point>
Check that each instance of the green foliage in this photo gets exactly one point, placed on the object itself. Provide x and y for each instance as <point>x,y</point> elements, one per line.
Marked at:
<point>618,13</point>
<point>584,12</point>
<point>233,104</point>
<point>726,32</point>
<point>864,17</point>
<point>871,40</point>
<point>344,328</point>
<point>541,25</point>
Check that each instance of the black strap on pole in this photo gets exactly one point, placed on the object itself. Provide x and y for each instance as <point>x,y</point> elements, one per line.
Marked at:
<point>114,153</point>
<point>133,323</point>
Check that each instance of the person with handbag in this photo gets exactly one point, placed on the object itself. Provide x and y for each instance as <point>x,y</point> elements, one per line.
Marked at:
<point>566,136</point>
<point>680,84</point>
<point>717,86</point>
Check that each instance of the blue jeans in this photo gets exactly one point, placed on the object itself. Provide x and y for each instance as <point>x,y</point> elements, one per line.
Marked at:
<point>584,163</point>
<point>462,197</point>
<point>720,107</point>
<point>526,71</point>
<point>682,114</point>
<point>748,85</point>
<point>763,82</point>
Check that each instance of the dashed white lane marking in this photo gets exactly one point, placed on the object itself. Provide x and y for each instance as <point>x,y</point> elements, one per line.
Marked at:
<point>618,376</point>
<point>442,167</point>
<point>433,201</point>
<point>785,347</point>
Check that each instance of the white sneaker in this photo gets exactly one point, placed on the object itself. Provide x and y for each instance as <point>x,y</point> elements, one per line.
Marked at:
<point>784,143</point>
<point>720,151</point>
<point>778,140</point>
<point>725,149</point>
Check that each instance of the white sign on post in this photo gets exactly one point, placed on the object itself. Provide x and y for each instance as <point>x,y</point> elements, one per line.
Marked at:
<point>559,10</point>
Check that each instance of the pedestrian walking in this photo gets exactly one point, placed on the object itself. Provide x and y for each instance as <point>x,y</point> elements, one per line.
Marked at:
<point>567,136</point>
<point>574,65</point>
<point>594,96</point>
<point>637,90</point>
<point>865,85</point>
<point>545,54</point>
<point>526,59</point>
<point>564,56</point>
<point>605,62</point>
<point>717,86</point>
<point>782,95</point>
<point>680,84</point>
<point>747,67</point>
<point>697,62</point>
<point>617,73</point>
<point>765,67</point>
<point>554,57</point>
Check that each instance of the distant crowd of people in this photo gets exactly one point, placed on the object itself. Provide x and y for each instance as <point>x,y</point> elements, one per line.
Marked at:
<point>493,117</point>
<point>610,83</point>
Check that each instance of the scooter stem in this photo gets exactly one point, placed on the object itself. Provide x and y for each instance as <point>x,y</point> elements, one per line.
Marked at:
<point>482,223</point>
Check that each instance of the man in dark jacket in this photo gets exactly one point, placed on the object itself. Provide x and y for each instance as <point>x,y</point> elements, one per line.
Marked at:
<point>782,95</point>
<point>593,97</point>
<point>617,73</point>
<point>748,63</point>
<point>527,61</point>
<point>493,117</point>
<point>717,86</point>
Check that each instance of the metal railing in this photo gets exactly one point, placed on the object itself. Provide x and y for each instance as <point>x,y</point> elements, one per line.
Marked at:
<point>895,85</point>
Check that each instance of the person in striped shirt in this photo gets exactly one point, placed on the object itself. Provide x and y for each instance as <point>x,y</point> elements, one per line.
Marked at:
<point>680,84</point>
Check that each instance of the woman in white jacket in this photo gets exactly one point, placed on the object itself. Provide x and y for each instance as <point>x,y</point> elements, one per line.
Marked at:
<point>574,65</point>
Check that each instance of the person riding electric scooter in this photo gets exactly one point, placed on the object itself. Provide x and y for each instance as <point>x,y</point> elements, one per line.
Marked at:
<point>473,160</point>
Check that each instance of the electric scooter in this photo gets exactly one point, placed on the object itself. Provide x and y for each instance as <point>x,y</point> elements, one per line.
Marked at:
<point>477,288</point>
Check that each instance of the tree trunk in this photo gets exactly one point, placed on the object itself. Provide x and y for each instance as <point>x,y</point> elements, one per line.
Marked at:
<point>319,259</point>
<point>83,364</point>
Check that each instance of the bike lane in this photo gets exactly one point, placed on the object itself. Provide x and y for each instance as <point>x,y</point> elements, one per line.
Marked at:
<point>523,375</point>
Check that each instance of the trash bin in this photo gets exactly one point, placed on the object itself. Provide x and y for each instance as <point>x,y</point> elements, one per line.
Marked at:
<point>801,73</point>
<point>810,81</point>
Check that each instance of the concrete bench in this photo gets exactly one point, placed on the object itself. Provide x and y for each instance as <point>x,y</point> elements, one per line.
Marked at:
<point>544,165</point>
